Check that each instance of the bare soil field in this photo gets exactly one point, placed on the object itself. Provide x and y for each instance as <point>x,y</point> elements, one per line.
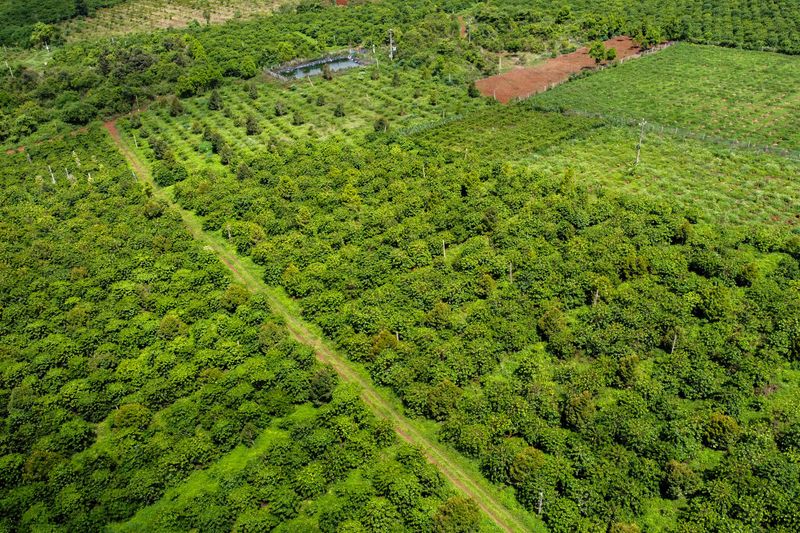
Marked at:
<point>524,82</point>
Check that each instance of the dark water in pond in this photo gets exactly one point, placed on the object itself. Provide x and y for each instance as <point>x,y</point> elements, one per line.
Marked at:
<point>304,71</point>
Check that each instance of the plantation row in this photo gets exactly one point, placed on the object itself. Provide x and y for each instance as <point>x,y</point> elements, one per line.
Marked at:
<point>134,370</point>
<point>713,183</point>
<point>87,79</point>
<point>19,18</point>
<point>253,117</point>
<point>533,25</point>
<point>744,96</point>
<point>146,15</point>
<point>600,353</point>
<point>99,78</point>
<point>500,133</point>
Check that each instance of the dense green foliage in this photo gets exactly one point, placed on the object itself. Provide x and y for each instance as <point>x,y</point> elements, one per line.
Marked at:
<point>129,362</point>
<point>539,25</point>
<point>19,17</point>
<point>579,345</point>
<point>102,78</point>
<point>605,319</point>
<point>95,78</point>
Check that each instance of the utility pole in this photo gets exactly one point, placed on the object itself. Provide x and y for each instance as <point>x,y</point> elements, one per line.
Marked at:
<point>392,47</point>
<point>375,55</point>
<point>642,125</point>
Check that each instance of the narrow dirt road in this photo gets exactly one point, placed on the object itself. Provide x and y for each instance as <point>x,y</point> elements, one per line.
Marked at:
<point>249,276</point>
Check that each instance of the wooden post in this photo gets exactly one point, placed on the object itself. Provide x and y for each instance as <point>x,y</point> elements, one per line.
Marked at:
<point>642,124</point>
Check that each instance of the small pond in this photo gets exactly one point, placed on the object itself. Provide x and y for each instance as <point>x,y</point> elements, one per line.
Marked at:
<point>314,68</point>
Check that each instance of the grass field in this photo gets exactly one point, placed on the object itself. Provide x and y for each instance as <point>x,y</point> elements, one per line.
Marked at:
<point>144,15</point>
<point>714,182</point>
<point>740,95</point>
<point>405,102</point>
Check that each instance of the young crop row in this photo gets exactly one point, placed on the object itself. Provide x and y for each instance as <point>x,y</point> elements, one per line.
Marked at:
<point>144,15</point>
<point>255,115</point>
<point>501,133</point>
<point>744,96</point>
<point>714,182</point>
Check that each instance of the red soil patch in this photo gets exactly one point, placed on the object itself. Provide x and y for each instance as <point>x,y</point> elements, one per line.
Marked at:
<point>524,82</point>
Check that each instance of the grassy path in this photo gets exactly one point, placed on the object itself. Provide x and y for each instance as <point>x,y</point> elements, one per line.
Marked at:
<point>459,473</point>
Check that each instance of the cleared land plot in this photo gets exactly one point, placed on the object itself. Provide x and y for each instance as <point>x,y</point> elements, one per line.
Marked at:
<point>716,183</point>
<point>524,82</point>
<point>740,95</point>
<point>146,15</point>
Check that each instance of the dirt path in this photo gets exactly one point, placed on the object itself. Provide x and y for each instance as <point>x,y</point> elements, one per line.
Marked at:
<point>525,82</point>
<point>249,275</point>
